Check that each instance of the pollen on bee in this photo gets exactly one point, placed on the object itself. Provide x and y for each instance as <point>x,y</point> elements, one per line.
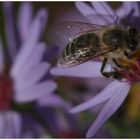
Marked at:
<point>131,70</point>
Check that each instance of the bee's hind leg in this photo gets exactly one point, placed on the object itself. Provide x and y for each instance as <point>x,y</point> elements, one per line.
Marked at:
<point>111,74</point>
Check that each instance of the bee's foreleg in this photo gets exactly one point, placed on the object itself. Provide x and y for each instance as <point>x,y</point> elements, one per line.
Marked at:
<point>111,74</point>
<point>106,74</point>
<point>103,64</point>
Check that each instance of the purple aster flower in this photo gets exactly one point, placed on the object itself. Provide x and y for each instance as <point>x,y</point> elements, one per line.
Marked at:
<point>102,13</point>
<point>115,93</point>
<point>21,82</point>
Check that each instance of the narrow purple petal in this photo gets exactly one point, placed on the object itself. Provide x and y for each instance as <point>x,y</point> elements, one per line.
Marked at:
<point>11,123</point>
<point>107,15</point>
<point>108,110</point>
<point>35,92</point>
<point>103,96</point>
<point>37,26</point>
<point>29,45</point>
<point>31,76</point>
<point>24,19</point>
<point>84,8</point>
<point>121,12</point>
<point>1,57</point>
<point>129,6</point>
<point>135,6</point>
<point>88,69</point>
<point>103,8</point>
<point>35,56</point>
<point>53,100</point>
<point>32,59</point>
<point>94,14</point>
<point>10,29</point>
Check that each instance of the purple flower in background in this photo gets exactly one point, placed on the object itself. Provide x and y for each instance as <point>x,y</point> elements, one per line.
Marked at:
<point>115,93</point>
<point>101,13</point>
<point>21,82</point>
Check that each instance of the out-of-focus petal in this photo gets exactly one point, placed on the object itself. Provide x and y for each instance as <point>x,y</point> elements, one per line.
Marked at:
<point>37,26</point>
<point>53,100</point>
<point>29,45</point>
<point>103,8</point>
<point>10,29</point>
<point>105,95</point>
<point>88,69</point>
<point>84,8</point>
<point>33,59</point>
<point>106,14</point>
<point>11,124</point>
<point>111,106</point>
<point>24,19</point>
<point>128,8</point>
<point>99,14</point>
<point>35,92</point>
<point>31,76</point>
<point>1,57</point>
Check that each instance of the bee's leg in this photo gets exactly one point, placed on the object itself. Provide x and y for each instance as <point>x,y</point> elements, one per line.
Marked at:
<point>116,75</point>
<point>106,74</point>
<point>112,74</point>
<point>117,64</point>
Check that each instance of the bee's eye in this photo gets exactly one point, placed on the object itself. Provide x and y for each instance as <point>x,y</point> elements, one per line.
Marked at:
<point>113,38</point>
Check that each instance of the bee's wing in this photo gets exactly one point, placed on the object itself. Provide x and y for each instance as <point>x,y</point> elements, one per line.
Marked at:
<point>75,28</point>
<point>82,55</point>
<point>104,20</point>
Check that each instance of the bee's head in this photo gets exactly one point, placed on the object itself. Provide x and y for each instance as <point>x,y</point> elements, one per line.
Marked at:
<point>131,38</point>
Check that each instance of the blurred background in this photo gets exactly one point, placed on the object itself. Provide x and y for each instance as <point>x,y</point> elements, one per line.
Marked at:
<point>56,121</point>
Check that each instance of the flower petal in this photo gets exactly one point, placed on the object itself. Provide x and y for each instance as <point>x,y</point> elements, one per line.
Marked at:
<point>88,69</point>
<point>11,123</point>
<point>37,26</point>
<point>35,92</point>
<point>94,16</point>
<point>53,100</point>
<point>104,95</point>
<point>10,29</point>
<point>111,106</point>
<point>24,19</point>
<point>33,59</point>
<point>128,8</point>
<point>121,12</point>
<point>106,14</point>
<point>84,8</point>
<point>35,56</point>
<point>103,8</point>
<point>31,76</point>
<point>29,45</point>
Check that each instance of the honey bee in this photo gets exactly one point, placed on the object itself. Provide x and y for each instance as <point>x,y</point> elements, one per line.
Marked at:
<point>111,43</point>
